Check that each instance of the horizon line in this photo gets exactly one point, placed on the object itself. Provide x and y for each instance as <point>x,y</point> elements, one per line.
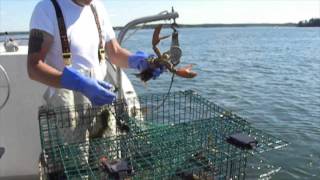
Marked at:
<point>190,26</point>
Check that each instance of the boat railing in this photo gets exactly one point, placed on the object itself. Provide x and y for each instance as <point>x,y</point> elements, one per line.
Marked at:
<point>4,87</point>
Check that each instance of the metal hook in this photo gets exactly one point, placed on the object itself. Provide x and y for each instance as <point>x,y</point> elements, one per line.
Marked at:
<point>174,25</point>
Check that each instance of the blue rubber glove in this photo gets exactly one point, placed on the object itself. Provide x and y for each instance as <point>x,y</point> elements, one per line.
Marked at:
<point>139,61</point>
<point>97,91</point>
<point>157,72</point>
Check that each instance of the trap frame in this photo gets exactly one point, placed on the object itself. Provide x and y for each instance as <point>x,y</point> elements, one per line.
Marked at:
<point>177,136</point>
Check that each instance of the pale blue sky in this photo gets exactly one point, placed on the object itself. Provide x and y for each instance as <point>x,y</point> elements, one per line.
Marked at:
<point>15,14</point>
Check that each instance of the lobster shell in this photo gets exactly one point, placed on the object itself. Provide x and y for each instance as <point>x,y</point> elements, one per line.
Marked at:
<point>186,72</point>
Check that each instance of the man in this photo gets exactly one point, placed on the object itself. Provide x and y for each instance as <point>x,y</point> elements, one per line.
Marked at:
<point>86,26</point>
<point>45,62</point>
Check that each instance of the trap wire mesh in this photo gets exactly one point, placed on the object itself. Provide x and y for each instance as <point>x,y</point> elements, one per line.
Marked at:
<point>185,136</point>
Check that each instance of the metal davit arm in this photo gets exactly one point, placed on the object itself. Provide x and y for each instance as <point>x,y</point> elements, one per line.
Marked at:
<point>148,19</point>
<point>130,25</point>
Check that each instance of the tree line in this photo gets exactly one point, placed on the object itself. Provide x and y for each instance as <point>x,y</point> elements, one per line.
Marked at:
<point>313,22</point>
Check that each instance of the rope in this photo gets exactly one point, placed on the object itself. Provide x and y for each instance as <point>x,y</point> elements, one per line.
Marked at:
<point>168,93</point>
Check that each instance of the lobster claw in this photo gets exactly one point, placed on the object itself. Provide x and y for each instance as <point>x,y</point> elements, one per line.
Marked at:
<point>156,39</point>
<point>175,51</point>
<point>156,35</point>
<point>186,72</point>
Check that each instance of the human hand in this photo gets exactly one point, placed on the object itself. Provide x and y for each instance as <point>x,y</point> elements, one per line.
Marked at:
<point>98,92</point>
<point>139,61</point>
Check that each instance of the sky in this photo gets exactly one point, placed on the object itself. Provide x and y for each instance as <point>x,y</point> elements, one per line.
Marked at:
<point>15,14</point>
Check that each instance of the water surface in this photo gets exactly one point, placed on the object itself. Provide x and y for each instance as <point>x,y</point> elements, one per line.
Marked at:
<point>269,75</point>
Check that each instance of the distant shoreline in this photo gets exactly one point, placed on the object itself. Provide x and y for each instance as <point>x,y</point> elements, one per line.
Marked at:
<point>190,26</point>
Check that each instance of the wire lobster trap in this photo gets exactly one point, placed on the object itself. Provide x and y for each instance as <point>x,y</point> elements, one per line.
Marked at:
<point>159,136</point>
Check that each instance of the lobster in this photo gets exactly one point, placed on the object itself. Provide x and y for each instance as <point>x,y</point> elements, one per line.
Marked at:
<point>169,59</point>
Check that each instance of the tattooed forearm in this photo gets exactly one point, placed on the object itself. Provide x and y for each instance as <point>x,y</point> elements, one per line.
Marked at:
<point>35,41</point>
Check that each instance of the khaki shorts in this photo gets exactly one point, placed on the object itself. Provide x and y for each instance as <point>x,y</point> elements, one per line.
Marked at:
<point>80,124</point>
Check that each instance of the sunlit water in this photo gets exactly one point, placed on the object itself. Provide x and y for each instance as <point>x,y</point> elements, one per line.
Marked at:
<point>270,76</point>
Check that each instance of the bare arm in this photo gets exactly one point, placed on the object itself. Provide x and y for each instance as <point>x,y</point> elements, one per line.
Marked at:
<point>117,55</point>
<point>39,45</point>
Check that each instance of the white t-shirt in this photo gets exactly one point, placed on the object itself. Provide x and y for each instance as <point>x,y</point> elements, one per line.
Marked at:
<point>82,32</point>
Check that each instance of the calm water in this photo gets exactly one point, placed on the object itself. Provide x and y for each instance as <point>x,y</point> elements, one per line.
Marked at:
<point>271,76</point>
